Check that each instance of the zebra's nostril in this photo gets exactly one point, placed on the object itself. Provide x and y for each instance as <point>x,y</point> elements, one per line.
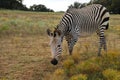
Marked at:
<point>58,45</point>
<point>54,61</point>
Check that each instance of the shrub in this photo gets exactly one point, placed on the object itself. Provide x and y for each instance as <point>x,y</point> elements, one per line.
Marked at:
<point>69,67</point>
<point>58,75</point>
<point>59,72</point>
<point>79,77</point>
<point>112,60</point>
<point>117,77</point>
<point>4,28</point>
<point>111,74</point>
<point>68,63</point>
<point>88,67</point>
<point>76,57</point>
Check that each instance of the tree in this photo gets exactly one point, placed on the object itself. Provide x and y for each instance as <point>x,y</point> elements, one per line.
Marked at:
<point>20,1</point>
<point>41,8</point>
<point>115,6</point>
<point>77,5</point>
<point>112,5</point>
<point>12,4</point>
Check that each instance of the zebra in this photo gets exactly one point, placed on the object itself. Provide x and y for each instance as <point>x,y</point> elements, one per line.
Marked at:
<point>76,23</point>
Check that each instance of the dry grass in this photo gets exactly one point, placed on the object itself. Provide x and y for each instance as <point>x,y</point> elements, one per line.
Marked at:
<point>25,53</point>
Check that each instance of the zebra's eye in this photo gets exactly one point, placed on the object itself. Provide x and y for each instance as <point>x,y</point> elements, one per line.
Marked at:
<point>58,45</point>
<point>51,34</point>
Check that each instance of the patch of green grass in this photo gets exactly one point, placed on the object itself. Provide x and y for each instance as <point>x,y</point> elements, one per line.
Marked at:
<point>20,22</point>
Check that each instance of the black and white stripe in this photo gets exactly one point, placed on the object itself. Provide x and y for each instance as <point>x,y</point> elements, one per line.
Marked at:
<point>85,21</point>
<point>58,51</point>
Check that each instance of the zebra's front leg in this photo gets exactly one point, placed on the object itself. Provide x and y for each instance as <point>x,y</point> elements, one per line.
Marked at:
<point>71,44</point>
<point>99,49</point>
<point>70,49</point>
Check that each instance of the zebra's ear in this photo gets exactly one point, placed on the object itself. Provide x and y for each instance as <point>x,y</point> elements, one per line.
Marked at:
<point>48,32</point>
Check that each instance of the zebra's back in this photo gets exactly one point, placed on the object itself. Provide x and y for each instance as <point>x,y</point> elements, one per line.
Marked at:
<point>89,19</point>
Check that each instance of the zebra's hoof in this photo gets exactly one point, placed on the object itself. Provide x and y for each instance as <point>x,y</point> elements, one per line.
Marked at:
<point>54,61</point>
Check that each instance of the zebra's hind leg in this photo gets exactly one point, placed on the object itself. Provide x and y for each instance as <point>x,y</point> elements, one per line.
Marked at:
<point>99,49</point>
<point>102,45</point>
<point>102,42</point>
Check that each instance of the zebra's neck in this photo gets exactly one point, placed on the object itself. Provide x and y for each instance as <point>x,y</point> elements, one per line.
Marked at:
<point>63,29</point>
<point>66,23</point>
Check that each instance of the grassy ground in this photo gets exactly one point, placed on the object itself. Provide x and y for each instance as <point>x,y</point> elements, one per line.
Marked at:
<point>25,53</point>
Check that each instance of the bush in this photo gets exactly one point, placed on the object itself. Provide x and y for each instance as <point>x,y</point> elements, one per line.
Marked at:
<point>111,74</point>
<point>68,63</point>
<point>59,72</point>
<point>76,57</point>
<point>96,68</point>
<point>112,60</point>
<point>88,67</point>
<point>58,75</point>
<point>79,77</point>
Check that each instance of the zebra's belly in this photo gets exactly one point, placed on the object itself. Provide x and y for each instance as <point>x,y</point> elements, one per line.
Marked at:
<point>86,30</point>
<point>84,33</point>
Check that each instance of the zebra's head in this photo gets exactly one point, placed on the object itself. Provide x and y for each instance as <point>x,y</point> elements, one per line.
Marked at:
<point>55,44</point>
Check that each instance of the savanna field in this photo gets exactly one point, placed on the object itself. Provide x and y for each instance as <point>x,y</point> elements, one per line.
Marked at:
<point>25,52</point>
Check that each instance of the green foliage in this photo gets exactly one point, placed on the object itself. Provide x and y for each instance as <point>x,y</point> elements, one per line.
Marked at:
<point>26,23</point>
<point>112,5</point>
<point>59,74</point>
<point>69,66</point>
<point>112,60</point>
<point>17,5</point>
<point>68,63</point>
<point>111,74</point>
<point>41,8</point>
<point>12,4</point>
<point>4,28</point>
<point>79,77</point>
<point>77,5</point>
<point>88,67</point>
<point>94,68</point>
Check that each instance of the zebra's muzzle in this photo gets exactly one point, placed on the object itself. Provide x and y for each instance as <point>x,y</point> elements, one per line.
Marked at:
<point>54,61</point>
